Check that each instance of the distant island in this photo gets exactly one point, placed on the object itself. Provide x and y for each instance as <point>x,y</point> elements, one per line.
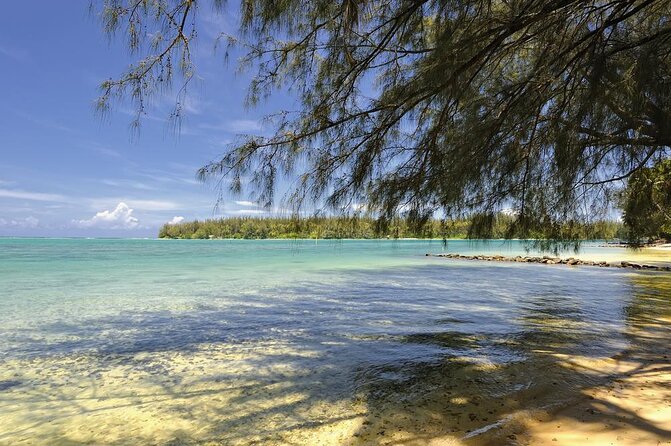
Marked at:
<point>359,227</point>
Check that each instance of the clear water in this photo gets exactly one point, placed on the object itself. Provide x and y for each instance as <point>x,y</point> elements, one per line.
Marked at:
<point>354,314</point>
<point>70,296</point>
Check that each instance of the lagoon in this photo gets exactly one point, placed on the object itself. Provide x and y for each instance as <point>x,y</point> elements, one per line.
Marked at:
<point>113,341</point>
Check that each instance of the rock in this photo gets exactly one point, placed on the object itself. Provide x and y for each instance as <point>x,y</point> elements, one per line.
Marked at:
<point>548,260</point>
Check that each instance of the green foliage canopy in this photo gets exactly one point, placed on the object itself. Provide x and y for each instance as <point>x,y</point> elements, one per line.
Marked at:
<point>463,106</point>
<point>647,203</point>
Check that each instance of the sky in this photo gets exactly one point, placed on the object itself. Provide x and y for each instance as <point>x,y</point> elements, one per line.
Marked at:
<point>67,172</point>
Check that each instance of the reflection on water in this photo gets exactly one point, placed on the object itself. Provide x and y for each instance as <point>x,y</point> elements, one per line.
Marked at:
<point>361,350</point>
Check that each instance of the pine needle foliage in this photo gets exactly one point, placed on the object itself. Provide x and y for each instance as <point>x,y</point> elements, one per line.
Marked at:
<point>647,203</point>
<point>418,106</point>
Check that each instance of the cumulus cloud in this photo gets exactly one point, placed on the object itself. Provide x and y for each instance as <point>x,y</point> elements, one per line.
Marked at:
<point>120,218</point>
<point>176,220</point>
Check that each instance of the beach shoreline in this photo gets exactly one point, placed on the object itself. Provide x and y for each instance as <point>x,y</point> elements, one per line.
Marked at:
<point>629,403</point>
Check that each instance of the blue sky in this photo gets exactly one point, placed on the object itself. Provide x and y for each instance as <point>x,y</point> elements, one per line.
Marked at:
<point>66,172</point>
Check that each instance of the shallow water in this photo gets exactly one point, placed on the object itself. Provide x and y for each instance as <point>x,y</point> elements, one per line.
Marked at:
<point>288,342</point>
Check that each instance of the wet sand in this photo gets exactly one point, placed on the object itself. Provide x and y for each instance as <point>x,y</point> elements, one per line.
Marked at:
<point>630,402</point>
<point>633,408</point>
<point>630,405</point>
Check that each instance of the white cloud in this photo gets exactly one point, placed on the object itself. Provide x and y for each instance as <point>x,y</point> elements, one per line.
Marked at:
<point>31,222</point>
<point>235,126</point>
<point>155,205</point>
<point>35,196</point>
<point>28,222</point>
<point>108,152</point>
<point>176,220</point>
<point>128,183</point>
<point>120,218</point>
<point>244,125</point>
<point>249,204</point>
<point>145,205</point>
<point>510,212</point>
<point>177,173</point>
<point>248,212</point>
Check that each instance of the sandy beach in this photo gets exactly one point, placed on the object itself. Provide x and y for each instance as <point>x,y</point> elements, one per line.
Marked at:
<point>631,406</point>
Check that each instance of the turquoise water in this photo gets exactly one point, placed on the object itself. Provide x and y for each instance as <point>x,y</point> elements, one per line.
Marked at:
<point>353,313</point>
<point>65,295</point>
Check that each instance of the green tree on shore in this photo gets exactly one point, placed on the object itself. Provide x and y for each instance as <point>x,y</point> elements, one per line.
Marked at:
<point>647,203</point>
<point>360,227</point>
<point>413,106</point>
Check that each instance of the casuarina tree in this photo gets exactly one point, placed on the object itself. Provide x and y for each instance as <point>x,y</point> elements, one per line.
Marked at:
<point>434,106</point>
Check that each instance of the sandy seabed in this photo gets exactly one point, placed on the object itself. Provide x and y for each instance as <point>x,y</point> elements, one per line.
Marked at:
<point>224,394</point>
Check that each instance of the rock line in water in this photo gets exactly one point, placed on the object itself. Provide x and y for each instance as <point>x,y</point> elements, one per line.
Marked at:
<point>548,260</point>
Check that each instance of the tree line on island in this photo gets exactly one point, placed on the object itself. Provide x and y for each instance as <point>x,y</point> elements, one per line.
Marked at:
<point>366,227</point>
<point>645,205</point>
